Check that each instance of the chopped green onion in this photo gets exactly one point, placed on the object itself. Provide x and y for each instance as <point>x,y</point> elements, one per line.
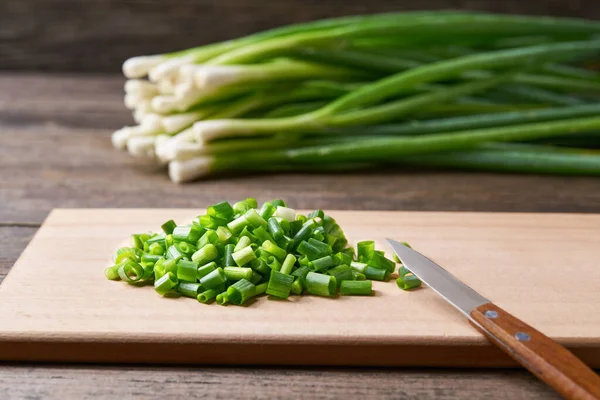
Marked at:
<point>112,273</point>
<point>297,286</point>
<point>221,210</point>
<point>168,227</point>
<point>255,278</point>
<point>408,282</point>
<point>187,270</point>
<point>316,214</point>
<point>241,291</point>
<point>322,264</point>
<point>244,241</point>
<point>288,264</point>
<point>130,271</point>
<point>320,284</point>
<point>209,237</point>
<point>228,260</point>
<point>190,233</point>
<point>189,289</point>
<point>262,288</point>
<point>288,214</point>
<point>272,248</point>
<point>213,279</point>
<point>244,256</point>
<point>358,276</point>
<point>275,229</point>
<point>365,250</point>
<point>222,299</point>
<point>205,270</point>
<point>341,273</point>
<point>185,248</point>
<point>278,203</point>
<point>157,249</point>
<point>358,266</point>
<point>224,234</point>
<point>207,296</point>
<point>308,250</point>
<point>259,265</point>
<point>378,274</point>
<point>262,235</point>
<point>164,285</point>
<point>210,222</point>
<point>205,254</point>
<point>342,258</point>
<point>377,260</point>
<point>267,210</point>
<point>237,273</point>
<point>273,263</point>
<point>254,218</point>
<point>280,285</point>
<point>237,224</point>
<point>356,288</point>
<point>403,271</point>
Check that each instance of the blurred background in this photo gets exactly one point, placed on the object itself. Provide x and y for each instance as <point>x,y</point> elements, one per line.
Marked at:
<point>98,35</point>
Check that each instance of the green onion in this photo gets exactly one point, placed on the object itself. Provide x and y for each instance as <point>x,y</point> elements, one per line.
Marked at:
<point>189,289</point>
<point>205,270</point>
<point>356,288</point>
<point>322,264</point>
<point>206,254</point>
<point>244,256</point>
<point>408,282</point>
<point>280,284</point>
<point>168,227</point>
<point>288,264</point>
<point>164,285</point>
<point>378,274</point>
<point>130,271</point>
<point>273,249</point>
<point>222,299</point>
<point>221,210</point>
<point>244,241</point>
<point>187,270</point>
<point>213,279</point>
<point>320,284</point>
<point>273,263</point>
<point>341,273</point>
<point>241,291</point>
<point>228,260</point>
<point>112,273</point>
<point>207,296</point>
<point>237,273</point>
<point>267,210</point>
<point>297,286</point>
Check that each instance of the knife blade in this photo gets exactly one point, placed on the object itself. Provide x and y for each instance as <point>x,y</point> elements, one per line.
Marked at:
<point>543,357</point>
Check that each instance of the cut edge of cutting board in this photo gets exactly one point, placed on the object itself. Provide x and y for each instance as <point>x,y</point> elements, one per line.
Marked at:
<point>53,347</point>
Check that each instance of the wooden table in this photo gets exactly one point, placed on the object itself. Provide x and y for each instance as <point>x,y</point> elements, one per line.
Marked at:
<point>55,152</point>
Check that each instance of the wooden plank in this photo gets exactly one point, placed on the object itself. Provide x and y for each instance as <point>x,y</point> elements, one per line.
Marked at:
<point>101,321</point>
<point>13,240</point>
<point>92,382</point>
<point>63,35</point>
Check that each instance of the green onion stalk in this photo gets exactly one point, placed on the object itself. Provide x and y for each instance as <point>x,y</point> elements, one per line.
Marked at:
<point>445,89</point>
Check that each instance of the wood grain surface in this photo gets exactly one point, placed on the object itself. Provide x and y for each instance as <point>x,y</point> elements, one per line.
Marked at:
<point>98,35</point>
<point>54,152</point>
<point>52,319</point>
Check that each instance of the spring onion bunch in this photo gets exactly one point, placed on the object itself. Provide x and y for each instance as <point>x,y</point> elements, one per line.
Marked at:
<point>232,254</point>
<point>442,88</point>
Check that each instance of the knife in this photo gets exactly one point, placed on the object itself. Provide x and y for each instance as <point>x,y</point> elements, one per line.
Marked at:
<point>542,356</point>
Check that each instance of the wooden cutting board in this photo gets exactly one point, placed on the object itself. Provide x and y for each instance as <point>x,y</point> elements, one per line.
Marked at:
<point>56,304</point>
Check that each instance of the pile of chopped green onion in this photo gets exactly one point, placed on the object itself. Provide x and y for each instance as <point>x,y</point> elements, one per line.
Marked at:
<point>443,89</point>
<point>232,254</point>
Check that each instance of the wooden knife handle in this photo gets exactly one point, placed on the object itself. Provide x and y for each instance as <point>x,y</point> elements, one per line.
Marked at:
<point>542,356</point>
